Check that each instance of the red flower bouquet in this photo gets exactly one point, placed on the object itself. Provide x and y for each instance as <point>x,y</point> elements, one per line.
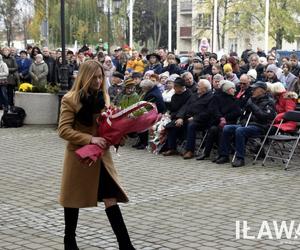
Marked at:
<point>114,124</point>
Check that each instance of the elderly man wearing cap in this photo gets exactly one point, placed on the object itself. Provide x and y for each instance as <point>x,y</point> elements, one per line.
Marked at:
<point>261,109</point>
<point>116,88</point>
<point>129,95</point>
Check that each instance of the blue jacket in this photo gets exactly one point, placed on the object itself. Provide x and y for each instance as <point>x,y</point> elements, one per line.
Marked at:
<point>154,95</point>
<point>157,68</point>
<point>24,65</point>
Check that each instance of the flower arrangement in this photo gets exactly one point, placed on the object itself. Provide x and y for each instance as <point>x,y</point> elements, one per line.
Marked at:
<point>27,87</point>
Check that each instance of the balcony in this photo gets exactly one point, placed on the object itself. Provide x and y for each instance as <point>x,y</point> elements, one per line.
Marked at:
<point>185,32</point>
<point>186,7</point>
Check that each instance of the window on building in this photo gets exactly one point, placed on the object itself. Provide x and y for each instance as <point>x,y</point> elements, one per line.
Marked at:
<point>205,20</point>
<point>233,44</point>
<point>236,19</point>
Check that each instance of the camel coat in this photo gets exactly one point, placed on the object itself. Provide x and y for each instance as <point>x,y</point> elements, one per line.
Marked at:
<point>80,183</point>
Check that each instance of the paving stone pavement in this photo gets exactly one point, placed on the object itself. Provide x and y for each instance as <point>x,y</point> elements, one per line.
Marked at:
<point>174,203</point>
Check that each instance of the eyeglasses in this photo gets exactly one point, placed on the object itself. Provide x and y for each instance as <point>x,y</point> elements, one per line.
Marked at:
<point>243,83</point>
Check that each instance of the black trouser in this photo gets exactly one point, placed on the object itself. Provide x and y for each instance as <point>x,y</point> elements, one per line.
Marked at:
<point>10,94</point>
<point>143,137</point>
<point>213,137</point>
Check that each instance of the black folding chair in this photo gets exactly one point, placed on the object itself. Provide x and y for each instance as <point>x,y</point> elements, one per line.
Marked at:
<point>283,145</point>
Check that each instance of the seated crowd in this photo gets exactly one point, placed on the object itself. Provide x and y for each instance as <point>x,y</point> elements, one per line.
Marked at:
<point>228,99</point>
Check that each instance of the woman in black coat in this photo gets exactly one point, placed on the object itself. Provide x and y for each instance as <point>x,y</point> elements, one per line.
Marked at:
<point>224,109</point>
<point>151,93</point>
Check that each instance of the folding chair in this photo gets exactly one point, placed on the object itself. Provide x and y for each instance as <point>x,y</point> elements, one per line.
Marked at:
<point>279,140</point>
<point>264,141</point>
<point>249,117</point>
<point>202,139</point>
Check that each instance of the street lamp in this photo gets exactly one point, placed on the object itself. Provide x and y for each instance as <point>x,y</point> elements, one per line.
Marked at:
<point>64,68</point>
<point>108,7</point>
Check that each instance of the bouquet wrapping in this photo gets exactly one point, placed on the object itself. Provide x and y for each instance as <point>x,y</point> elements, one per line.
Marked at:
<point>114,124</point>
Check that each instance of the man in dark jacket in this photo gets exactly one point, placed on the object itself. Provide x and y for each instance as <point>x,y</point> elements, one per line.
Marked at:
<point>295,65</point>
<point>193,116</point>
<point>12,79</point>
<point>50,61</point>
<point>243,91</point>
<point>181,96</point>
<point>224,109</point>
<point>261,109</point>
<point>254,64</point>
<point>190,82</point>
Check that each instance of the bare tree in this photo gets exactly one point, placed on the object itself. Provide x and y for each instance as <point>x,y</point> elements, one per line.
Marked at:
<point>8,13</point>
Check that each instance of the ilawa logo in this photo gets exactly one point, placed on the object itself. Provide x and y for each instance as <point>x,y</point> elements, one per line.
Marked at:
<point>268,230</point>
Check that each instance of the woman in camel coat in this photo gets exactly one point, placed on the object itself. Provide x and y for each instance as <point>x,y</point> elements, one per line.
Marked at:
<point>84,184</point>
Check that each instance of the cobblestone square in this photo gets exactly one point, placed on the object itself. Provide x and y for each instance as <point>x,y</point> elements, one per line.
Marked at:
<point>174,204</point>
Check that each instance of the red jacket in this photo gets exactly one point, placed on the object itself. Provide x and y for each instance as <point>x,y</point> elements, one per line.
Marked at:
<point>285,102</point>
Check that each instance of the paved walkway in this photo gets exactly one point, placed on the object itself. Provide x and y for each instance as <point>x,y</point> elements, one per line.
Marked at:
<point>175,204</point>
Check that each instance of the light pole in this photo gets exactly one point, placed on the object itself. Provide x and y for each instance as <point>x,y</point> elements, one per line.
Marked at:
<point>267,26</point>
<point>108,7</point>
<point>64,68</point>
<point>215,26</point>
<point>170,26</point>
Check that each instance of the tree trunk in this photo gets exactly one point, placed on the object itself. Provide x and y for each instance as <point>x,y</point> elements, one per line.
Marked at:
<point>224,23</point>
<point>159,34</point>
<point>279,38</point>
<point>155,31</point>
<point>218,27</point>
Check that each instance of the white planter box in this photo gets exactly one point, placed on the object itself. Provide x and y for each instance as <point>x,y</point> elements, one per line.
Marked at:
<point>40,108</point>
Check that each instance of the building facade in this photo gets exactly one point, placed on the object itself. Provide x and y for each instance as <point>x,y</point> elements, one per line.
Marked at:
<point>195,21</point>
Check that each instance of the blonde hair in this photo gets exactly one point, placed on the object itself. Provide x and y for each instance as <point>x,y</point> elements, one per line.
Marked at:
<point>276,88</point>
<point>84,78</point>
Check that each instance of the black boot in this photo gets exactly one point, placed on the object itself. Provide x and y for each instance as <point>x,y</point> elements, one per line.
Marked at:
<point>71,218</point>
<point>117,223</point>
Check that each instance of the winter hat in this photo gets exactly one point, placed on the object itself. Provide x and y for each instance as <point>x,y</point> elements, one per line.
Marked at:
<point>272,68</point>
<point>213,55</point>
<point>276,88</point>
<point>136,75</point>
<point>129,82</point>
<point>262,60</point>
<point>204,44</point>
<point>226,85</point>
<point>149,72</point>
<point>172,78</point>
<point>179,81</point>
<point>227,68</point>
<point>259,84</point>
<point>252,73</point>
<point>118,75</point>
<point>165,74</point>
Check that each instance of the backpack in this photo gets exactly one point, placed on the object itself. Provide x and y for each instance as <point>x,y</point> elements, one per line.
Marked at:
<point>14,118</point>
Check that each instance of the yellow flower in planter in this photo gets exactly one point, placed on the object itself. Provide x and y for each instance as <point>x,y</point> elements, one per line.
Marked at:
<point>25,87</point>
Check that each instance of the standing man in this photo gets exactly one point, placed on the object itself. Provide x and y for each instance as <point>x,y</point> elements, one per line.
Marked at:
<point>50,61</point>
